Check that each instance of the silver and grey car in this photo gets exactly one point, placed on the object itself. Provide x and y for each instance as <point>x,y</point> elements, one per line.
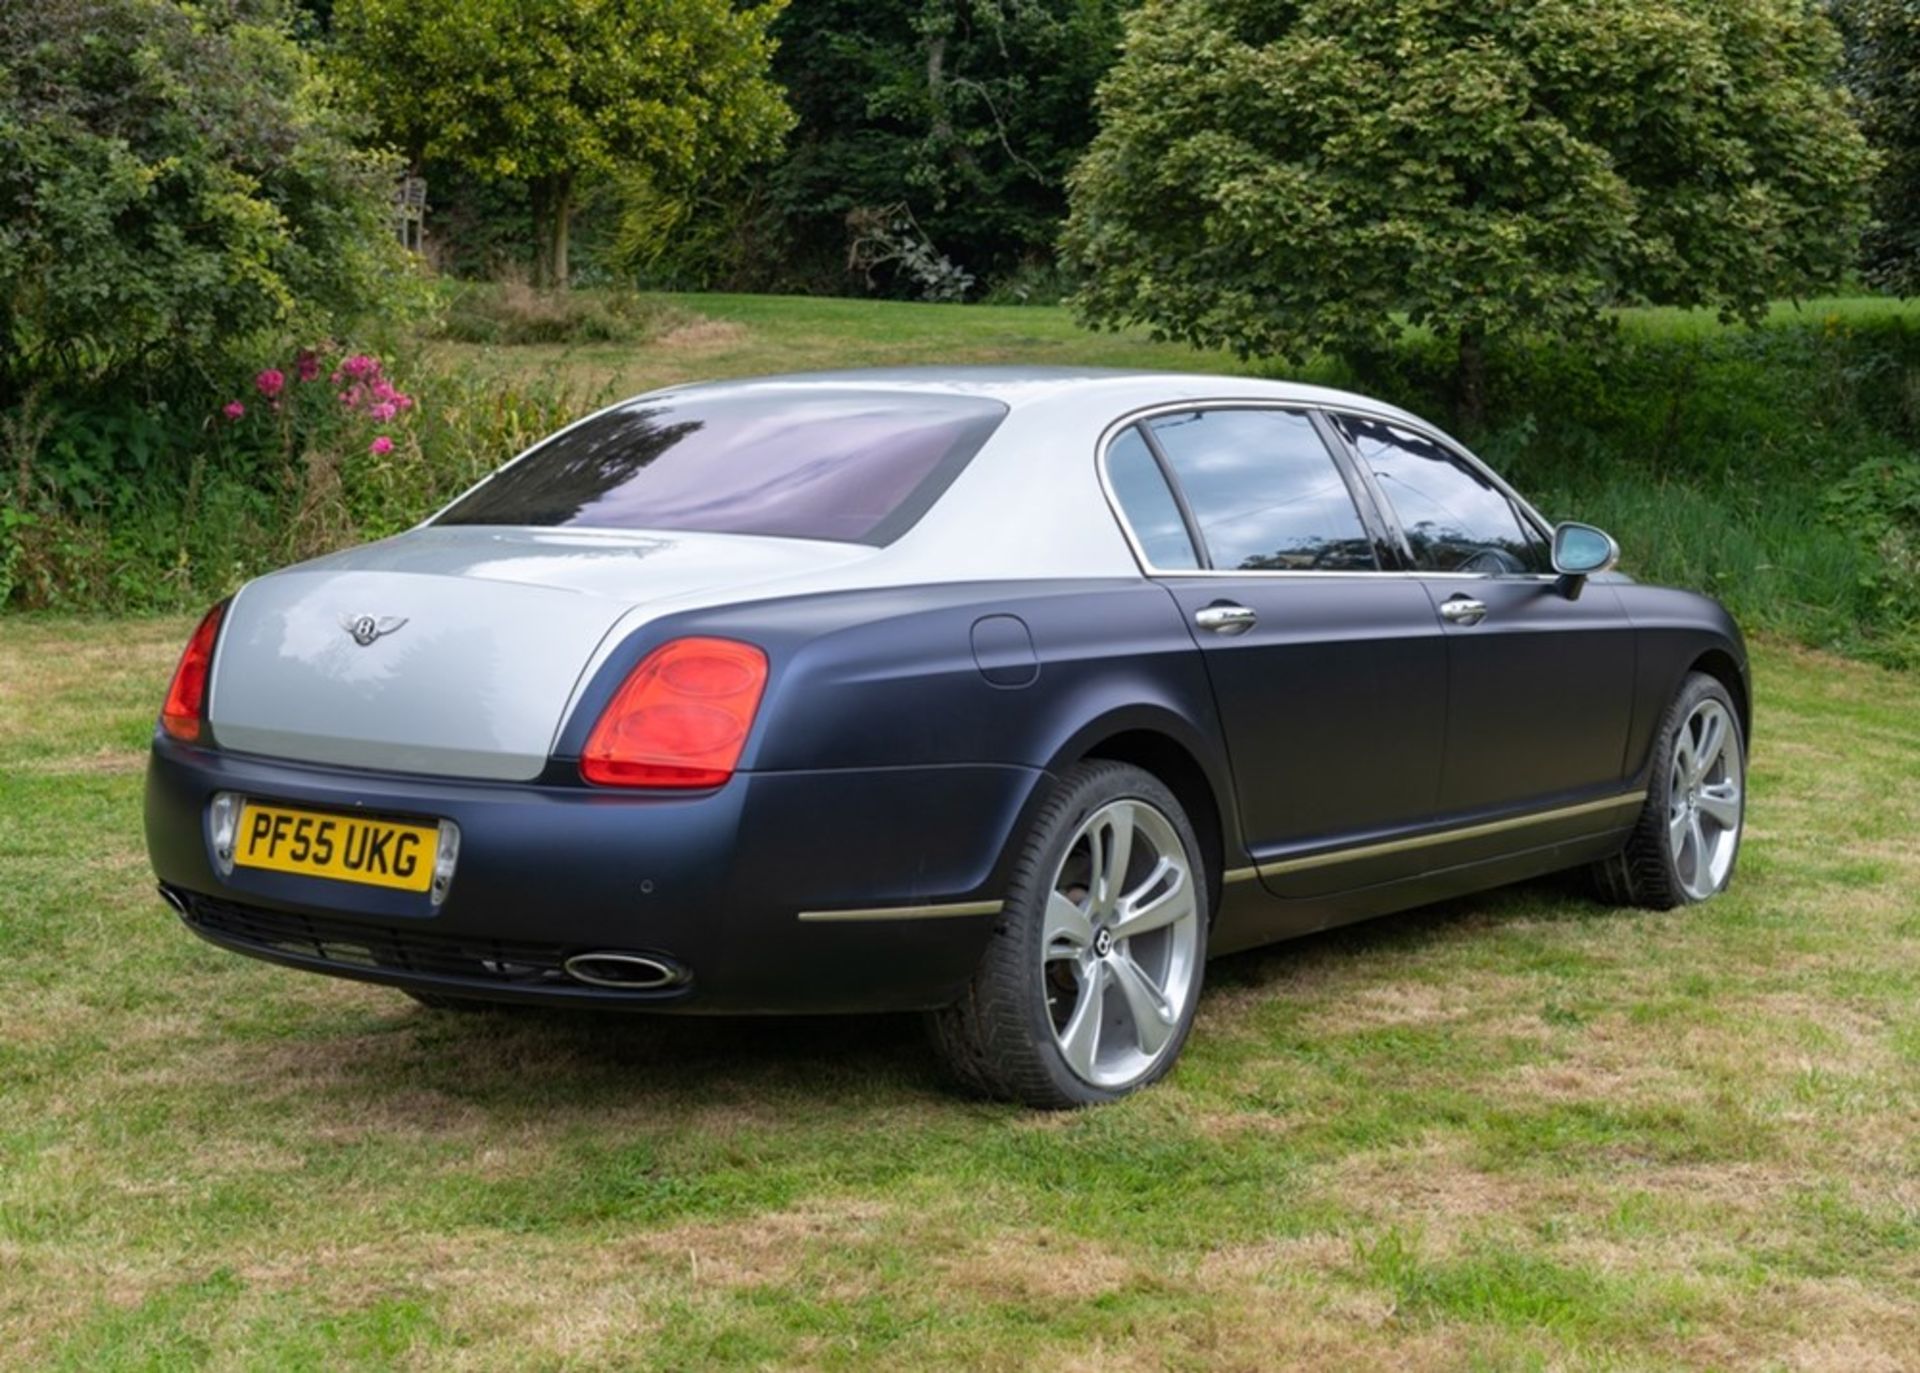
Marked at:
<point>1009,696</point>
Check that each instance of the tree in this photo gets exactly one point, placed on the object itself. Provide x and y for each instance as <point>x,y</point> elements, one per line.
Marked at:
<point>173,183</point>
<point>966,114</point>
<point>553,92</point>
<point>1883,66</point>
<point>1287,177</point>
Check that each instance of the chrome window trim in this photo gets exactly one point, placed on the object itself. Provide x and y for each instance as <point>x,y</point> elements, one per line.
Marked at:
<point>1520,503</point>
<point>1452,445</point>
<point>1145,413</point>
<point>1148,568</point>
<point>1515,577</point>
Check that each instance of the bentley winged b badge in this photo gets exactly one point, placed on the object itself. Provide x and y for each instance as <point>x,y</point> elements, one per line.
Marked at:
<point>365,628</point>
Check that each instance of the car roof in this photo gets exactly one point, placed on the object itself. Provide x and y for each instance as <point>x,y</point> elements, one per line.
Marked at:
<point>1023,386</point>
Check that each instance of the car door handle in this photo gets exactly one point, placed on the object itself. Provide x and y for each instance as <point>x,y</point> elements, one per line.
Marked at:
<point>1463,610</point>
<point>1225,619</point>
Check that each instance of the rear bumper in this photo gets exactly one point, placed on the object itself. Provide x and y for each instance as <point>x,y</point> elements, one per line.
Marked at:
<point>716,883</point>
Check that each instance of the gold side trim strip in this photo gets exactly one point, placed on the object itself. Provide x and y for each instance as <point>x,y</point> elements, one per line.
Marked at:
<point>909,912</point>
<point>1239,874</point>
<point>1422,841</point>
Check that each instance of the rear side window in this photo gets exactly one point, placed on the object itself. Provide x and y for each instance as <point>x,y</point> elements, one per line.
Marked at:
<point>1141,488</point>
<point>850,466</point>
<point>1264,490</point>
<point>1455,519</point>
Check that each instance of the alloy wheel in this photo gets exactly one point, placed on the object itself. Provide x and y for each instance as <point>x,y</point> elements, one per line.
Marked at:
<point>1705,798</point>
<point>1120,947</point>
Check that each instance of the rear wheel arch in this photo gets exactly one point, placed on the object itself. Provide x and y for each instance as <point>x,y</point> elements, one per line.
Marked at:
<point>1176,741</point>
<point>1167,759</point>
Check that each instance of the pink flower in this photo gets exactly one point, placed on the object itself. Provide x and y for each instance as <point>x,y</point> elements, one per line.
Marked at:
<point>381,446</point>
<point>360,365</point>
<point>404,402</point>
<point>306,365</point>
<point>382,411</point>
<point>233,409</point>
<point>271,382</point>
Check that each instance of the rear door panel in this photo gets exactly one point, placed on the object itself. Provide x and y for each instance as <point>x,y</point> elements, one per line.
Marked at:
<point>1334,709</point>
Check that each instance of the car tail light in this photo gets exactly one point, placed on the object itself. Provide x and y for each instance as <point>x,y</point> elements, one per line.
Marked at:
<point>185,713</point>
<point>681,717</point>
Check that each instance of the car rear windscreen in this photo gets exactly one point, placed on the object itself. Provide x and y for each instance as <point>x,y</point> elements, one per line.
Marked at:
<point>852,466</point>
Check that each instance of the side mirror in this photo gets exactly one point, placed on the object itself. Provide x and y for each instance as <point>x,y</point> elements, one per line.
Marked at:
<point>1579,552</point>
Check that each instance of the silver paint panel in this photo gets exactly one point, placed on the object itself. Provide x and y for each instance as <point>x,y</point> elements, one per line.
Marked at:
<point>499,626</point>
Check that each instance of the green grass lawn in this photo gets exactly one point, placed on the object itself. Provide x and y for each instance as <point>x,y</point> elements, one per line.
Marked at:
<point>750,335</point>
<point>1519,1130</point>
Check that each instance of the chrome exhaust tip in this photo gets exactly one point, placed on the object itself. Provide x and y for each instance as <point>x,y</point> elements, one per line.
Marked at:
<point>626,972</point>
<point>174,899</point>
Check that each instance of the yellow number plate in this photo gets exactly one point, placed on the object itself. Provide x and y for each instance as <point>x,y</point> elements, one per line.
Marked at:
<point>378,853</point>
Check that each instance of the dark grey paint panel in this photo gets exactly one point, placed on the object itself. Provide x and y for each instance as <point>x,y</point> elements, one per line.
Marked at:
<point>1333,703</point>
<point>1540,693</point>
<point>1277,919</point>
<point>1675,630</point>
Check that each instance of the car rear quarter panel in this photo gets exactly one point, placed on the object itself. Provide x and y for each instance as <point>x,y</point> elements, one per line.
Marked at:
<point>893,679</point>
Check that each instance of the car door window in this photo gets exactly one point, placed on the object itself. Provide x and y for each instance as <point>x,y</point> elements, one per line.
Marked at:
<point>1455,519</point>
<point>1264,491</point>
<point>1148,504</point>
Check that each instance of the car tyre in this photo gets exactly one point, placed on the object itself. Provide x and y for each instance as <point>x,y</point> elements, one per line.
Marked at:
<point>1088,987</point>
<point>1685,842</point>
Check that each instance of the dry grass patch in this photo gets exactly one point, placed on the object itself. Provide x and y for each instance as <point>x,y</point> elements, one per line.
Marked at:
<point>1039,1267</point>
<point>102,760</point>
<point>1402,1003</point>
<point>771,1247</point>
<point>703,335</point>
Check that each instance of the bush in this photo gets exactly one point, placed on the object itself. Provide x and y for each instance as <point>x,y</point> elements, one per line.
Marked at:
<point>175,188</point>
<point>127,505</point>
<point>1776,468</point>
<point>1879,502</point>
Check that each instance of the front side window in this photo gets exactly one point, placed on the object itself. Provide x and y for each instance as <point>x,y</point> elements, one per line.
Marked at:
<point>1455,519</point>
<point>853,466</point>
<point>1264,491</point>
